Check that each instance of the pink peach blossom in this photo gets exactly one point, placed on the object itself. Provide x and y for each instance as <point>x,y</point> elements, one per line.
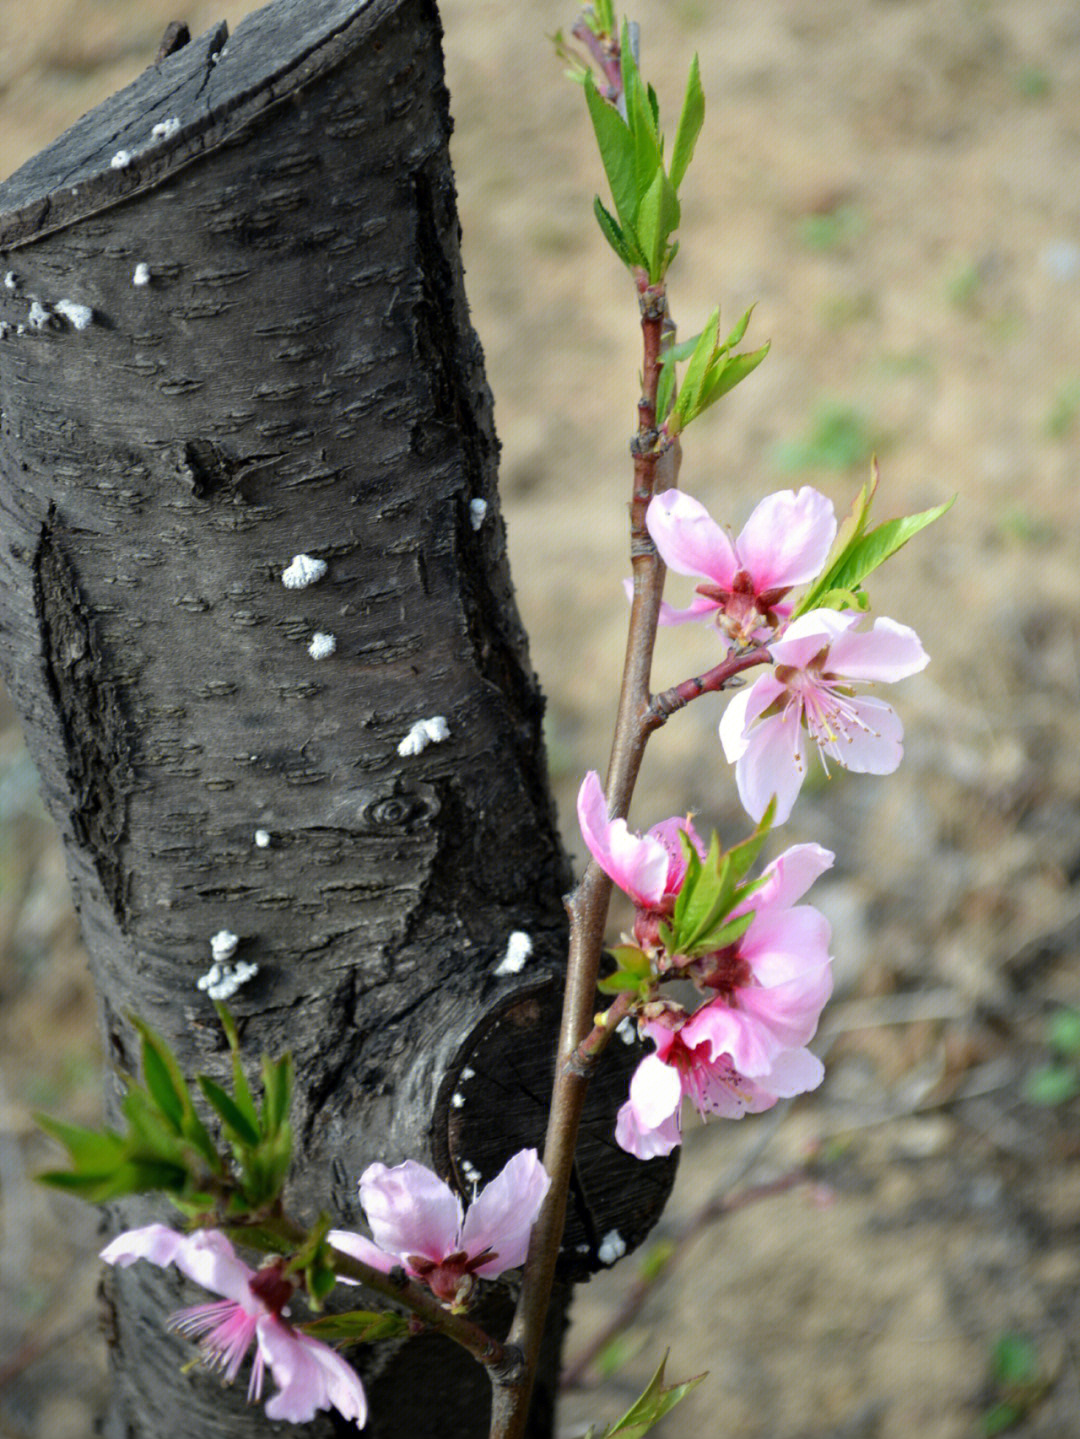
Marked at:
<point>686,1065</point>
<point>310,1376</point>
<point>785,542</point>
<point>809,690</point>
<point>418,1222</point>
<point>650,867</point>
<point>772,983</point>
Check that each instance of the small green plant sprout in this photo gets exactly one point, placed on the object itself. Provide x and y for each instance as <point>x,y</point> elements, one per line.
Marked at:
<point>839,437</point>
<point>647,1411</point>
<point>1058,1081</point>
<point>167,1148</point>
<point>858,551</point>
<point>1017,1382</point>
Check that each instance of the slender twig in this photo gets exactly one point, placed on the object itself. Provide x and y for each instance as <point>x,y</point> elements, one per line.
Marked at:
<point>663,706</point>
<point>588,905</point>
<point>396,1286</point>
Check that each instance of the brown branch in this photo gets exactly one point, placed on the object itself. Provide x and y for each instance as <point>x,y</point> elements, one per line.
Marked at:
<point>499,1359</point>
<point>664,705</point>
<point>588,905</point>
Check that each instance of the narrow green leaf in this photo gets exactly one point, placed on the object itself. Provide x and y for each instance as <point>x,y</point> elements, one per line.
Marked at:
<point>690,122</point>
<point>237,1124</point>
<point>740,330</point>
<point>719,936</point>
<point>616,146</point>
<point>613,235</point>
<point>632,959</point>
<point>159,1085</point>
<point>686,406</point>
<point>656,1401</point>
<point>874,548</point>
<point>143,1176</point>
<point>93,1150</point>
<point>359,1326</point>
<point>277,1079</point>
<point>657,217</point>
<point>734,370</point>
<point>654,107</point>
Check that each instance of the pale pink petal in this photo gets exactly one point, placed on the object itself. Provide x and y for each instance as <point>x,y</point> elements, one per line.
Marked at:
<point>742,710</point>
<point>668,833</point>
<point>871,741</point>
<point>655,1091</point>
<point>155,1242</point>
<point>636,863</point>
<point>358,1247</point>
<point>784,944</point>
<point>725,1092</point>
<point>734,1033</point>
<point>700,608</point>
<point>309,1376</point>
<point>795,1072</point>
<point>773,763</point>
<point>411,1210</point>
<point>206,1256</point>
<point>689,540</point>
<point>809,634</point>
<point>887,652</point>
<point>502,1216</point>
<point>642,1142</point>
<point>787,539</point>
<point>790,875</point>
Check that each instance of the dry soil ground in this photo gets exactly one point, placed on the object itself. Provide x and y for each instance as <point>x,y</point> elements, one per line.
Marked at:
<point>897,184</point>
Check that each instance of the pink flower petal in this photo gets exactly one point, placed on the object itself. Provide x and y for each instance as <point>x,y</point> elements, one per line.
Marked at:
<point>638,864</point>
<point>790,875</point>
<point>310,1376</point>
<point>359,1247</point>
<point>642,1142</point>
<point>503,1214</point>
<point>700,608</point>
<point>689,540</point>
<point>796,1071</point>
<point>787,539</point>
<point>871,743</point>
<point>206,1256</point>
<point>410,1210</point>
<point>742,710</point>
<point>773,762</point>
<point>809,634</point>
<point>785,944</point>
<point>887,652</point>
<point>655,1091</point>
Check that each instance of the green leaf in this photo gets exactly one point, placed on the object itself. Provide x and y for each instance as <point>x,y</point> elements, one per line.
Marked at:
<point>693,381</point>
<point>656,1401</point>
<point>277,1079</point>
<point>241,1089</point>
<point>615,237</point>
<point>161,1075</point>
<point>143,1176</point>
<point>690,122</point>
<point>868,552</point>
<point>732,372</point>
<point>719,936</point>
<point>616,145</point>
<point>91,1150</point>
<point>359,1326</point>
<point>740,329</point>
<point>657,217</point>
<point>237,1124</point>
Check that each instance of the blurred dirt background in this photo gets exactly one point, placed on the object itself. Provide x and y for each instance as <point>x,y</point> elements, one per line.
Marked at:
<point>897,184</point>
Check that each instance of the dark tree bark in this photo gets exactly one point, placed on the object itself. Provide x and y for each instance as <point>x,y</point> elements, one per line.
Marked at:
<point>298,375</point>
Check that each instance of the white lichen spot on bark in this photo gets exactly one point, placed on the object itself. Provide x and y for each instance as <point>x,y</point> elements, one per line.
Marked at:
<point>423,733</point>
<point>304,570</point>
<point>518,948</point>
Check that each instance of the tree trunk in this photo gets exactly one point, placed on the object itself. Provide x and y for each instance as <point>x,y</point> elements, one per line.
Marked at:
<point>276,358</point>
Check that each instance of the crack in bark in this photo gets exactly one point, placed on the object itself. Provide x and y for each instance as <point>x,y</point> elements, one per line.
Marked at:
<point>88,709</point>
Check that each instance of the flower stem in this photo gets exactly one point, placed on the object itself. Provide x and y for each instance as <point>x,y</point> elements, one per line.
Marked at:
<point>655,468</point>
